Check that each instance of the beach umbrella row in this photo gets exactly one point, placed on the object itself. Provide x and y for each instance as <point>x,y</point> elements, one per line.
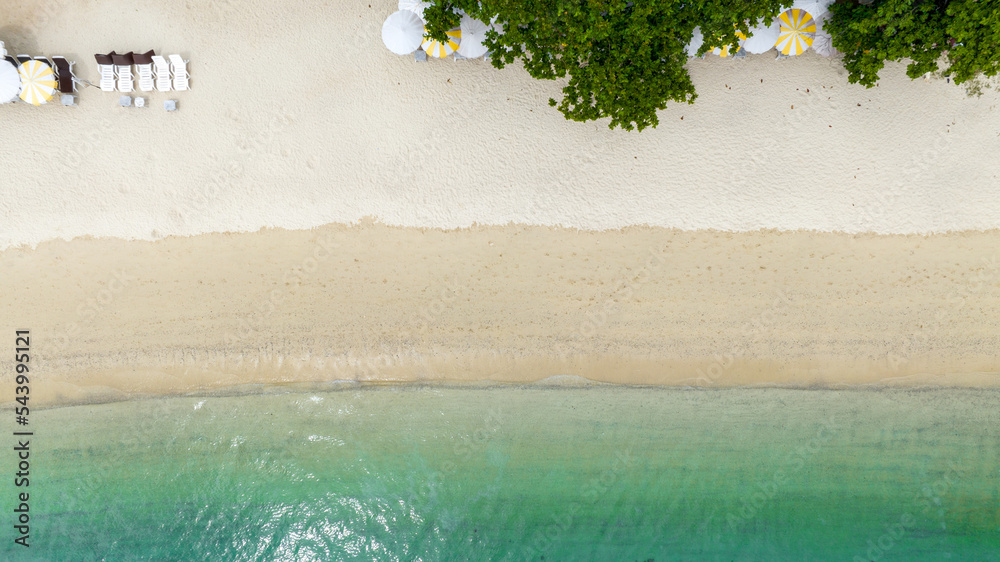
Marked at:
<point>403,33</point>
<point>792,33</point>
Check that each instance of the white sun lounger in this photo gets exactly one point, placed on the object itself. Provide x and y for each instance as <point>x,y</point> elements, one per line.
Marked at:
<point>144,68</point>
<point>178,67</point>
<point>123,68</point>
<point>107,69</point>
<point>163,82</point>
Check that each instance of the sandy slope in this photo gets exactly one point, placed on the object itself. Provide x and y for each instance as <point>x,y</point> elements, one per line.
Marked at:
<point>645,305</point>
<point>299,117</point>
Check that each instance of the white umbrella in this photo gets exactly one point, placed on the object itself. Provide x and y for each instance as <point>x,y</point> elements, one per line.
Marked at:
<point>403,32</point>
<point>763,37</point>
<point>473,35</point>
<point>823,44</point>
<point>696,42</point>
<point>10,82</point>
<point>814,7</point>
<point>415,6</point>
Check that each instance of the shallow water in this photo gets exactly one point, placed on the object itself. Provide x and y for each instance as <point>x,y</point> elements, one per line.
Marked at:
<point>608,473</point>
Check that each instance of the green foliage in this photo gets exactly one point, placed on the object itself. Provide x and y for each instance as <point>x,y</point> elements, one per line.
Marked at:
<point>975,28</point>
<point>441,17</point>
<point>966,32</point>
<point>625,60</point>
<point>622,60</point>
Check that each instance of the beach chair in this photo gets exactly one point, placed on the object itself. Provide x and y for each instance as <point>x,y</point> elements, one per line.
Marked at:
<point>163,81</point>
<point>123,68</point>
<point>106,65</point>
<point>178,67</point>
<point>420,55</point>
<point>144,67</point>
<point>64,73</point>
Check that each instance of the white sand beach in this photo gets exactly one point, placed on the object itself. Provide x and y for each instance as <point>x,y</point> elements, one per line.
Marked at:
<point>320,209</point>
<point>299,116</point>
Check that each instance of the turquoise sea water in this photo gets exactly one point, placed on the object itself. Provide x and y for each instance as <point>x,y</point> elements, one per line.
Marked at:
<point>525,473</point>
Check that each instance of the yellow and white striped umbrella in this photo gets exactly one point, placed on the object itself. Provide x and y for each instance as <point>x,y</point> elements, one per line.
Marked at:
<point>724,51</point>
<point>440,50</point>
<point>798,29</point>
<point>38,82</point>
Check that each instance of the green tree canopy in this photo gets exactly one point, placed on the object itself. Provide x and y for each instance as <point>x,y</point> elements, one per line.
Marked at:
<point>624,60</point>
<point>966,32</point>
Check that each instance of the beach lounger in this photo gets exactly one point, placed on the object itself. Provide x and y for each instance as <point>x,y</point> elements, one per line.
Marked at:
<point>106,65</point>
<point>64,73</point>
<point>123,68</point>
<point>163,81</point>
<point>178,67</point>
<point>144,67</point>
